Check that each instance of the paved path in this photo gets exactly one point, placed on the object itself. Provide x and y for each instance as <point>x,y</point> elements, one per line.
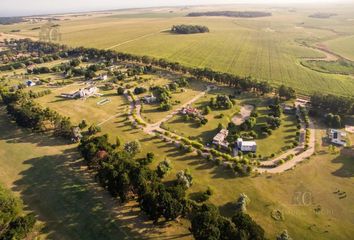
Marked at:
<point>299,153</point>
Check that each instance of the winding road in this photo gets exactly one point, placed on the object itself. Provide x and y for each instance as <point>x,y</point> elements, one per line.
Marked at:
<point>270,166</point>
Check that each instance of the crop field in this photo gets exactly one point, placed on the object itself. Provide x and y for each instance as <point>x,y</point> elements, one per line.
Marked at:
<point>344,46</point>
<point>268,49</point>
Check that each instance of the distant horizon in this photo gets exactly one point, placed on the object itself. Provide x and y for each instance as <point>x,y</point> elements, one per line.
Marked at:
<point>8,9</point>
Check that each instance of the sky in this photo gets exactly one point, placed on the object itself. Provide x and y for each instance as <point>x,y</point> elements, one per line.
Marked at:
<point>32,7</point>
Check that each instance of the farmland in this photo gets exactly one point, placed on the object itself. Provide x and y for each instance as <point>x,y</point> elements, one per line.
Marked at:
<point>344,46</point>
<point>269,48</point>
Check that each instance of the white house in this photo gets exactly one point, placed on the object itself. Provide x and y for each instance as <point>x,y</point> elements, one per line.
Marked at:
<point>82,93</point>
<point>220,138</point>
<point>246,146</point>
<point>149,99</point>
<point>337,137</point>
<point>103,77</point>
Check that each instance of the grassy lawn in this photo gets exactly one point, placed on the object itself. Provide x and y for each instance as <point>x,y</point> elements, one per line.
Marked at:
<point>78,109</point>
<point>274,143</point>
<point>151,112</point>
<point>343,46</point>
<point>46,173</point>
<point>205,133</point>
<point>320,177</point>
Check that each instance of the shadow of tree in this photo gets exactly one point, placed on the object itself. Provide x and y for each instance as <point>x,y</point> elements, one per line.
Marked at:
<point>346,159</point>
<point>53,188</point>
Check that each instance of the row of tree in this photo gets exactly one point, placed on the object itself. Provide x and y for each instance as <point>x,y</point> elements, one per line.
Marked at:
<point>237,82</point>
<point>332,108</point>
<point>245,14</point>
<point>29,114</point>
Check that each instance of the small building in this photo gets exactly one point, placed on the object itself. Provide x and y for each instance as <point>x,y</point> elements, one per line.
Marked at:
<point>246,146</point>
<point>149,99</point>
<point>220,139</point>
<point>30,83</point>
<point>337,137</point>
<point>103,77</point>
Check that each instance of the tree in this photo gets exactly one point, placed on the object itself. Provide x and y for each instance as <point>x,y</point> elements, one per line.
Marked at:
<point>185,178</point>
<point>248,228</point>
<point>242,202</point>
<point>75,62</point>
<point>93,129</point>
<point>249,124</point>
<point>83,124</point>
<point>273,122</point>
<point>118,142</point>
<point>165,106</point>
<point>163,168</point>
<point>133,147</point>
<point>139,90</point>
<point>333,120</point>
<point>120,91</point>
<point>205,223</point>
<point>207,110</point>
<point>286,92</point>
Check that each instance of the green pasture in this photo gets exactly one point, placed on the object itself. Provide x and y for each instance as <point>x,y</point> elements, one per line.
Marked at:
<point>344,46</point>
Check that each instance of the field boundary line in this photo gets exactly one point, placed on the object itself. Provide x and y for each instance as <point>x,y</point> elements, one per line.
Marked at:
<point>135,39</point>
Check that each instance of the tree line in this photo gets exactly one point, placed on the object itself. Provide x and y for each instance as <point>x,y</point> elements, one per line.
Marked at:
<point>27,113</point>
<point>245,14</point>
<point>331,108</point>
<point>126,177</point>
<point>237,82</point>
<point>189,29</point>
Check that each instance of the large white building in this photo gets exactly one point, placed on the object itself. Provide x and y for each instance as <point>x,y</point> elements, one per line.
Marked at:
<point>82,93</point>
<point>246,146</point>
<point>337,137</point>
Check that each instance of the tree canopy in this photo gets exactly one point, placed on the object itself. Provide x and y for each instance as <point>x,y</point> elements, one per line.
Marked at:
<point>189,29</point>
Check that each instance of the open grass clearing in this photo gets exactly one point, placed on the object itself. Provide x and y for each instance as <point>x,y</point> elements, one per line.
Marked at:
<point>151,112</point>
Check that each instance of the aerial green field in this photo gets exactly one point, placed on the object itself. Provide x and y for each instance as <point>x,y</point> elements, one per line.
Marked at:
<point>267,48</point>
<point>336,67</point>
<point>344,46</point>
